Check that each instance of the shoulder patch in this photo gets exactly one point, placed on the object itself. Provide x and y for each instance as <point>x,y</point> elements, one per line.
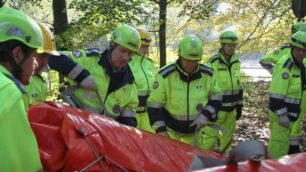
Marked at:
<point>155,85</point>
<point>164,72</point>
<point>285,75</point>
<point>276,51</point>
<point>206,69</point>
<point>77,53</point>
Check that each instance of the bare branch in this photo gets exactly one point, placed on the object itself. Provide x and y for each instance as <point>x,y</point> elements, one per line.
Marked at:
<point>247,5</point>
<point>260,21</point>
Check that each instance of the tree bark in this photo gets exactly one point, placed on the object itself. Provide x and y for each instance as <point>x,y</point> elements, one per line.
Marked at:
<point>60,16</point>
<point>162,31</point>
<point>60,25</point>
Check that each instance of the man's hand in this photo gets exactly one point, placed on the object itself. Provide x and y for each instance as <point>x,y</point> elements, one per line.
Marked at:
<point>284,121</point>
<point>89,83</point>
<point>164,133</point>
<point>200,121</point>
<point>239,112</point>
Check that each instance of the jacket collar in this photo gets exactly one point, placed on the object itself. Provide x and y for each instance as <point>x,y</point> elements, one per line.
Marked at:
<point>234,58</point>
<point>185,76</point>
<point>117,79</point>
<point>11,77</point>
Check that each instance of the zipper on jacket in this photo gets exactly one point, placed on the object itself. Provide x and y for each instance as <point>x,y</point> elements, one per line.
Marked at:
<point>230,72</point>
<point>148,85</point>
<point>188,83</point>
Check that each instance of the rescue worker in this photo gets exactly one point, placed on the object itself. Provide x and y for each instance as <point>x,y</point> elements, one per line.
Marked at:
<point>143,70</point>
<point>226,66</point>
<point>20,37</point>
<point>185,95</point>
<point>270,59</point>
<point>107,83</point>
<point>38,88</point>
<point>286,96</point>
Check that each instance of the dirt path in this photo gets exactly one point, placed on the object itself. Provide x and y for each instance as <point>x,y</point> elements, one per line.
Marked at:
<point>254,121</point>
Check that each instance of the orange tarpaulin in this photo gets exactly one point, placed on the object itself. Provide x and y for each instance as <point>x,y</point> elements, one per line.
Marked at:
<point>70,139</point>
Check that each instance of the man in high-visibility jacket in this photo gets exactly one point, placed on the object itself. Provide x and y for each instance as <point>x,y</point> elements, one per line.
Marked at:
<point>20,37</point>
<point>107,83</point>
<point>226,66</point>
<point>268,62</point>
<point>270,59</point>
<point>185,95</point>
<point>286,94</point>
<point>143,71</point>
<point>38,88</point>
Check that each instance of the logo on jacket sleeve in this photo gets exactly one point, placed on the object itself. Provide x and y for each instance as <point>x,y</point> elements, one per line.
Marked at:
<point>155,84</point>
<point>77,53</point>
<point>285,75</point>
<point>117,109</point>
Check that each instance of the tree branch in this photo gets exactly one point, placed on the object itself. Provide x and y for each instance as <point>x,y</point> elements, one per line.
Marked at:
<point>260,21</point>
<point>247,5</point>
<point>2,3</point>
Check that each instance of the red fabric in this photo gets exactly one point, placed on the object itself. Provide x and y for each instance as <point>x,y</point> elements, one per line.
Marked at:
<point>63,147</point>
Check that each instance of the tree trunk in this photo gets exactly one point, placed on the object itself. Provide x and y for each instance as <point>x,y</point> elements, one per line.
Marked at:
<point>162,31</point>
<point>60,16</point>
<point>60,25</point>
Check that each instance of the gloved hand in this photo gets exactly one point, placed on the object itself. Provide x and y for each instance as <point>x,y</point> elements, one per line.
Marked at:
<point>164,133</point>
<point>89,83</point>
<point>200,121</point>
<point>239,112</point>
<point>283,120</point>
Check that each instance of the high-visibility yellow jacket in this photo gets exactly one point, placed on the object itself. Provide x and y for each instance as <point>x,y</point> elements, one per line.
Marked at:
<point>116,89</point>
<point>37,89</point>
<point>143,72</point>
<point>228,76</point>
<point>270,59</point>
<point>178,98</point>
<point>18,146</point>
<point>287,86</point>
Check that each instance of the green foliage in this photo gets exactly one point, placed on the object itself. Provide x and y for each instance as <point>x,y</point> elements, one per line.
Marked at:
<point>53,92</point>
<point>199,10</point>
<point>262,25</point>
<point>97,18</point>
